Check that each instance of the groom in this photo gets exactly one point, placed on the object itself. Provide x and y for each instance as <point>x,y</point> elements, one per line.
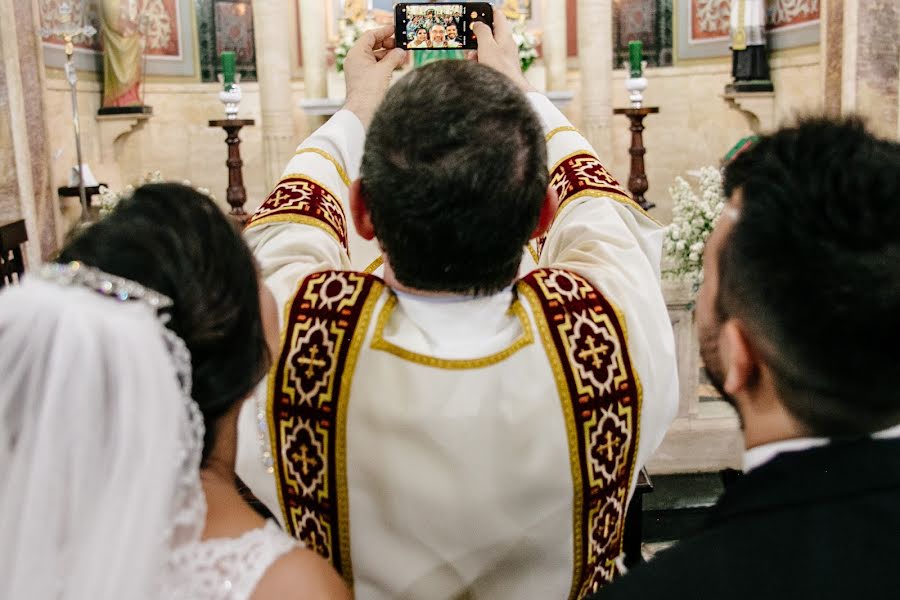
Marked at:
<point>798,318</point>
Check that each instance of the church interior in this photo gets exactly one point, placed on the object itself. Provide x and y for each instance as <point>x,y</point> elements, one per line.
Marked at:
<point>61,60</point>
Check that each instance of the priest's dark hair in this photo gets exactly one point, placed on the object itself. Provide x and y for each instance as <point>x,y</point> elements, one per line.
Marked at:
<point>454,175</point>
<point>812,266</point>
<point>175,240</point>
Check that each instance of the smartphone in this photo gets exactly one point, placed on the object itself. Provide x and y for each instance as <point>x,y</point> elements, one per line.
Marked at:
<point>429,26</point>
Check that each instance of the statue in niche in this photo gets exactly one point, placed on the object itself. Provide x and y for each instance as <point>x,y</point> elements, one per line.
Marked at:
<point>356,11</point>
<point>516,9</point>
<point>122,56</point>
<point>750,64</point>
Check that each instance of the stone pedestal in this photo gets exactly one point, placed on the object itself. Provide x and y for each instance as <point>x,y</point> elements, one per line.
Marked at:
<point>705,435</point>
<point>757,107</point>
<point>114,128</point>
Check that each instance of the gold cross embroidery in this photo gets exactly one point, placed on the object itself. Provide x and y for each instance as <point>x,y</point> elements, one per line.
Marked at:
<point>315,546</point>
<point>311,361</point>
<point>594,352</point>
<point>304,459</point>
<point>606,525</point>
<point>609,446</point>
<point>279,197</point>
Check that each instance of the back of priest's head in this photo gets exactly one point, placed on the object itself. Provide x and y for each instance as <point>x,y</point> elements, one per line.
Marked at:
<point>454,176</point>
<point>807,263</point>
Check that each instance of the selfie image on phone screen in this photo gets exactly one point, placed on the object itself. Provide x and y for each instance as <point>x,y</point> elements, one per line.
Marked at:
<point>428,26</point>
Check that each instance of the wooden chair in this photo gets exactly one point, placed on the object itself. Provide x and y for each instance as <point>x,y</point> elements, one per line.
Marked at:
<point>12,265</point>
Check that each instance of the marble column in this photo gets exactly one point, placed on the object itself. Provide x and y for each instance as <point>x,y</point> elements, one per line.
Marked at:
<point>313,47</point>
<point>554,43</point>
<point>861,62</point>
<point>831,49</point>
<point>273,70</point>
<point>595,61</point>
<point>25,190</point>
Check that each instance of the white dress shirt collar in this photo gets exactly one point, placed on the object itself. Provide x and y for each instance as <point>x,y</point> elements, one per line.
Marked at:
<point>760,455</point>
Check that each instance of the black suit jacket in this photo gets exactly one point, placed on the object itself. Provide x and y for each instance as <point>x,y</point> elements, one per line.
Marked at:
<point>818,524</point>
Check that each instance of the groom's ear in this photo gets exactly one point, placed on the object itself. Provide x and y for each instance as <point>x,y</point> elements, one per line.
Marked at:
<point>359,211</point>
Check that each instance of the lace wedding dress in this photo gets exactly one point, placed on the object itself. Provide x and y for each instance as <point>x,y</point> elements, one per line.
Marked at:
<point>227,568</point>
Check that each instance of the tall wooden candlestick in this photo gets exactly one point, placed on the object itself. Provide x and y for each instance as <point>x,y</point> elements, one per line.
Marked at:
<point>637,180</point>
<point>236,194</point>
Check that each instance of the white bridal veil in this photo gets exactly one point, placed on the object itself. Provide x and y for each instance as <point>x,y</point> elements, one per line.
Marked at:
<point>100,442</point>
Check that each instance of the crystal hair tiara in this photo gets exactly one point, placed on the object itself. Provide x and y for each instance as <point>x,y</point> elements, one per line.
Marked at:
<point>76,273</point>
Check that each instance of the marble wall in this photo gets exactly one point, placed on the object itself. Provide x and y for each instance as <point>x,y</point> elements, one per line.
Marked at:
<point>694,128</point>
<point>176,140</point>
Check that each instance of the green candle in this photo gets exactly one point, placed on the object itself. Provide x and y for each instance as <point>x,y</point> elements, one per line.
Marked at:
<point>636,57</point>
<point>228,62</point>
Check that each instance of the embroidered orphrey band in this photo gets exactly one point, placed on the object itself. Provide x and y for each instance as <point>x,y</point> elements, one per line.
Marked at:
<point>309,389</point>
<point>300,199</point>
<point>585,340</point>
<point>578,175</point>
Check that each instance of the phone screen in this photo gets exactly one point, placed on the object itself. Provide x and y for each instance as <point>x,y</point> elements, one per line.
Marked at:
<point>428,26</point>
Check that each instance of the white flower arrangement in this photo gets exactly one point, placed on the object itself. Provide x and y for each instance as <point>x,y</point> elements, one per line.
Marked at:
<point>693,218</point>
<point>109,199</point>
<point>350,32</point>
<point>527,43</point>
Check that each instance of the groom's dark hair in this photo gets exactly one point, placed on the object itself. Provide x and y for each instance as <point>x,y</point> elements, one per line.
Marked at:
<point>812,266</point>
<point>454,175</point>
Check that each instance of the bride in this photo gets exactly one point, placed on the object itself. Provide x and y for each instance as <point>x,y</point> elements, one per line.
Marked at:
<point>124,368</point>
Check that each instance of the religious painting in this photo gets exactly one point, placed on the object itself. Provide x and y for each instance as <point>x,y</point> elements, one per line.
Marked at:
<point>649,21</point>
<point>516,9</point>
<point>57,14</point>
<point>226,25</point>
<point>234,30</point>
<point>159,23</point>
<point>704,26</point>
<point>164,27</point>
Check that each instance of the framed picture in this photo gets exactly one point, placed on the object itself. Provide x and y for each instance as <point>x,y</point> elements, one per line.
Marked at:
<point>703,26</point>
<point>167,33</point>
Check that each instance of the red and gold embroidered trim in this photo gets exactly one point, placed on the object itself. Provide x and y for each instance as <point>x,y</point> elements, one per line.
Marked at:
<point>309,389</point>
<point>581,174</point>
<point>585,340</point>
<point>299,199</point>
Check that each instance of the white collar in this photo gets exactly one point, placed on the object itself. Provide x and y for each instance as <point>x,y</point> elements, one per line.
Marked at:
<point>454,327</point>
<point>760,455</point>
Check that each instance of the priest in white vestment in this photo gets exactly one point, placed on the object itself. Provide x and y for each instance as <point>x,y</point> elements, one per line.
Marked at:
<point>458,445</point>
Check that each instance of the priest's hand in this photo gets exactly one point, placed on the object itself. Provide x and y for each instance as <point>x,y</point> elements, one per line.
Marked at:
<point>368,68</point>
<point>499,50</point>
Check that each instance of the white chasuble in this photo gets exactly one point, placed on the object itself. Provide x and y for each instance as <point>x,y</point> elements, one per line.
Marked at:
<point>466,447</point>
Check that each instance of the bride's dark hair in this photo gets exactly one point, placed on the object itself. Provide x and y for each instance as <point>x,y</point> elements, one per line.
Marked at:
<point>175,240</point>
